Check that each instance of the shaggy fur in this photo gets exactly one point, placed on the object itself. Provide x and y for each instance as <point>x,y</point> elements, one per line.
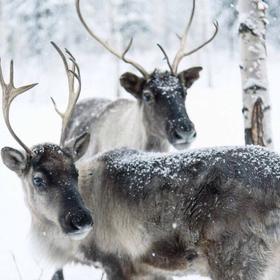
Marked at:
<point>212,212</point>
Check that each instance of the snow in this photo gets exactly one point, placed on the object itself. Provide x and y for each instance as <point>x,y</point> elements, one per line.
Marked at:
<point>216,113</point>
<point>253,83</point>
<point>262,6</point>
<point>165,82</point>
<point>139,169</point>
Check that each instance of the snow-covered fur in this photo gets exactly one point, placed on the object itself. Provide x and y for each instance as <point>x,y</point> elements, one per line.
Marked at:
<point>212,212</point>
<point>155,120</point>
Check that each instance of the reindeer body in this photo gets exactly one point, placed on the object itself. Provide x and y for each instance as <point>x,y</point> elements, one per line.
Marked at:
<point>114,124</point>
<point>213,211</point>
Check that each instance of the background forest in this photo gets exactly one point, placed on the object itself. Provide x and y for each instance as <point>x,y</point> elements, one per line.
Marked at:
<point>27,26</point>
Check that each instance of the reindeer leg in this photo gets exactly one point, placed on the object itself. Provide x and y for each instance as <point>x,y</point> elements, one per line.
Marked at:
<point>58,275</point>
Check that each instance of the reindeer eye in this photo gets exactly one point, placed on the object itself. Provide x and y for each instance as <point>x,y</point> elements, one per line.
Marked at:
<point>148,97</point>
<point>39,181</point>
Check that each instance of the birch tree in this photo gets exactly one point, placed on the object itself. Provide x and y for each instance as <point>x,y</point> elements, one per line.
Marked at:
<point>256,103</point>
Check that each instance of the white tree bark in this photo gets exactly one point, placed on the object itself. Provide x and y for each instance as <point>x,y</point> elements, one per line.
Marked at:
<point>256,103</point>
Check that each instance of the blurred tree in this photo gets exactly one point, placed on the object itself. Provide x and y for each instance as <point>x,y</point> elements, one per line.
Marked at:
<point>256,103</point>
<point>35,23</point>
<point>274,22</point>
<point>226,13</point>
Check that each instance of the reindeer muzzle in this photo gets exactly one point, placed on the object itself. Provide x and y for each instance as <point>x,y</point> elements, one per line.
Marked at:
<point>77,223</point>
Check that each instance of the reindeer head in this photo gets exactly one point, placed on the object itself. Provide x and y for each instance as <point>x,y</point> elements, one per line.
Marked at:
<point>47,171</point>
<point>162,94</point>
<point>163,97</point>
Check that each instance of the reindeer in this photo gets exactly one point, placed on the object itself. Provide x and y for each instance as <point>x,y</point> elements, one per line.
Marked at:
<point>50,179</point>
<point>60,221</point>
<point>157,118</point>
<point>213,212</point>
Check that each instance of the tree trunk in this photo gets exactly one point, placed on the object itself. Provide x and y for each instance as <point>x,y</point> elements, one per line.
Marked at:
<point>256,104</point>
<point>115,38</point>
<point>206,29</point>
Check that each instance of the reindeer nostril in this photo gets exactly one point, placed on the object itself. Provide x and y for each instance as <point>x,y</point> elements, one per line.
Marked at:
<point>177,135</point>
<point>78,220</point>
<point>183,135</point>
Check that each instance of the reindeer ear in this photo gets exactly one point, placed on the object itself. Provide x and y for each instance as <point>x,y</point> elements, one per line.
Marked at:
<point>78,146</point>
<point>132,83</point>
<point>188,77</point>
<point>14,159</point>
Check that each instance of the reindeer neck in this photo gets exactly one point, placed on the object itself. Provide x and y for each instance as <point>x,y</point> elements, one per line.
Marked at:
<point>154,141</point>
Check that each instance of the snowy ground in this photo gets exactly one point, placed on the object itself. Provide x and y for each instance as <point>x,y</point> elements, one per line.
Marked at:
<point>216,113</point>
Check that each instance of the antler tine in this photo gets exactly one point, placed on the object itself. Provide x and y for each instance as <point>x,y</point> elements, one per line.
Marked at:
<point>77,75</point>
<point>216,25</point>
<point>12,72</point>
<point>73,94</point>
<point>9,93</point>
<point>108,47</point>
<point>126,51</point>
<point>182,52</point>
<point>166,57</point>
<point>189,23</point>
<point>183,40</point>
<point>74,67</point>
<point>72,58</point>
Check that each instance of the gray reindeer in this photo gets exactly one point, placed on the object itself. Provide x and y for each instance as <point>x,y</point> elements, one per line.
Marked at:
<point>212,212</point>
<point>156,119</point>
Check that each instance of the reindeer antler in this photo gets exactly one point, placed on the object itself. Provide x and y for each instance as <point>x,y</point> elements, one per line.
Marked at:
<point>122,55</point>
<point>72,74</point>
<point>9,93</point>
<point>182,50</point>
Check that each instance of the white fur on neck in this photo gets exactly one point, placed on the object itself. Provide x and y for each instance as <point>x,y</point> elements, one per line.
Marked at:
<point>51,246</point>
<point>119,128</point>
